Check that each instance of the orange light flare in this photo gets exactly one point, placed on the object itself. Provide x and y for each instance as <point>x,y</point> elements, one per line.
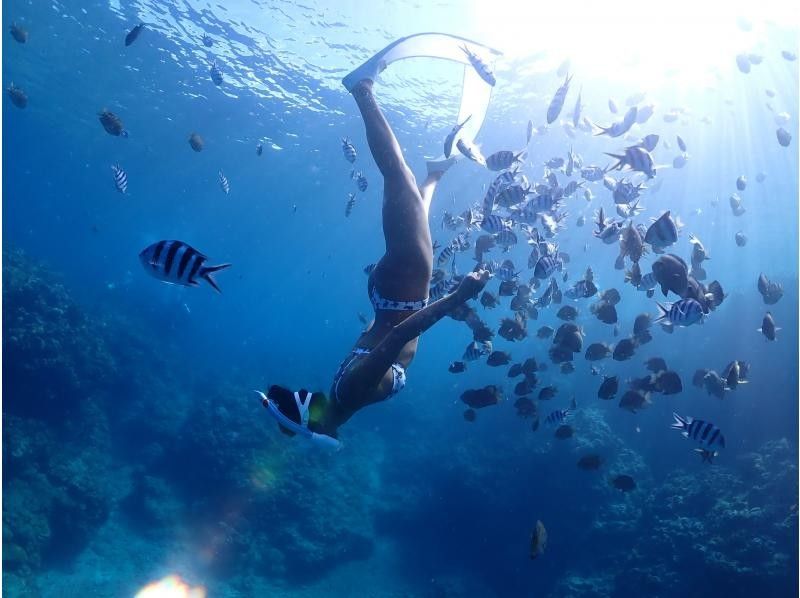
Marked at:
<point>171,586</point>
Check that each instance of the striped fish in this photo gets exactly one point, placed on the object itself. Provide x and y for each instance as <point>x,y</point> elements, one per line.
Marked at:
<point>705,433</point>
<point>684,312</point>
<point>592,173</point>
<point>476,350</point>
<point>216,73</point>
<point>557,103</point>
<point>351,201</point>
<point>571,188</point>
<point>503,160</point>
<point>446,254</point>
<point>506,239</point>
<point>349,150</point>
<point>511,195</point>
<point>546,266</point>
<point>442,288</point>
<point>637,158</point>
<point>120,178</point>
<point>506,271</point>
<point>503,179</point>
<point>176,262</point>
<point>361,180</point>
<point>494,224</point>
<point>223,183</point>
<point>369,268</point>
<point>559,415</point>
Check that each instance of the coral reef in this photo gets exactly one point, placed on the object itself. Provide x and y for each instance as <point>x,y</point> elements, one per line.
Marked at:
<point>53,353</point>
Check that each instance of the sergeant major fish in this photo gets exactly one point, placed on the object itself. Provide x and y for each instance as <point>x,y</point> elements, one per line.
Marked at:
<point>684,312</point>
<point>223,183</point>
<point>503,160</point>
<point>120,178</point>
<point>361,181</point>
<point>705,433</point>
<point>637,159</point>
<point>559,415</point>
<point>349,150</point>
<point>351,202</point>
<point>175,262</point>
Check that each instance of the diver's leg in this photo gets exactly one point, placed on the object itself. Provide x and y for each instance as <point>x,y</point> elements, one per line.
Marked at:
<point>404,271</point>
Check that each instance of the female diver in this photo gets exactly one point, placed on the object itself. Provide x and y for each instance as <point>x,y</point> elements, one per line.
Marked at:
<point>398,287</point>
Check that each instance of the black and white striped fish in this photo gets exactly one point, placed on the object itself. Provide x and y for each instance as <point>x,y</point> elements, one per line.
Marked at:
<point>511,195</point>
<point>461,242</point>
<point>446,255</point>
<point>593,173</point>
<point>351,201</point>
<point>502,180</point>
<point>559,415</point>
<point>684,312</point>
<point>361,180</point>
<point>637,158</point>
<point>369,268</point>
<point>557,103</point>
<point>176,262</point>
<point>494,224</point>
<point>503,160</point>
<point>547,265</point>
<point>442,288</point>
<point>506,239</point>
<point>506,271</point>
<point>223,183</point>
<point>705,433</point>
<point>349,150</point>
<point>120,178</point>
<point>216,73</point>
<point>476,350</point>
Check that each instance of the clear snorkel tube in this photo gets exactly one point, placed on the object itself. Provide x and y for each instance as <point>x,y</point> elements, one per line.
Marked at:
<point>321,440</point>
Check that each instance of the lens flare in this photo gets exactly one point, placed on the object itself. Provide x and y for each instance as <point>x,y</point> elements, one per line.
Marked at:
<point>171,586</point>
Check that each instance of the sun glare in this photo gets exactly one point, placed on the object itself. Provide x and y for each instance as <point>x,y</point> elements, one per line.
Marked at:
<point>636,43</point>
<point>171,587</point>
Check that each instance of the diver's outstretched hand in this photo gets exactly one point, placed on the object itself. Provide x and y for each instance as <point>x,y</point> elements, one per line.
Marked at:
<point>472,284</point>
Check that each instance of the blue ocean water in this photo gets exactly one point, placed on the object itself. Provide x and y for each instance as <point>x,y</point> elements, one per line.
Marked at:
<point>134,447</point>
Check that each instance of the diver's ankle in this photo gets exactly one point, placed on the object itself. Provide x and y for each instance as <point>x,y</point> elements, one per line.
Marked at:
<point>363,86</point>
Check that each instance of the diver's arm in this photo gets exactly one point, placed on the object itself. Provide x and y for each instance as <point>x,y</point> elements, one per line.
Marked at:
<point>371,369</point>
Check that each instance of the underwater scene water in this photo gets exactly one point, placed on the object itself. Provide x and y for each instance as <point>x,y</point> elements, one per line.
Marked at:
<point>531,451</point>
